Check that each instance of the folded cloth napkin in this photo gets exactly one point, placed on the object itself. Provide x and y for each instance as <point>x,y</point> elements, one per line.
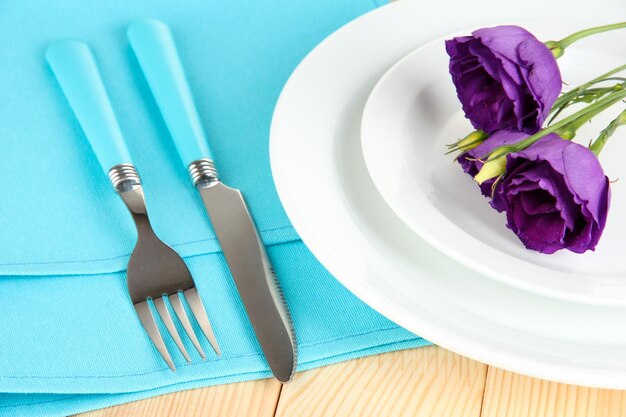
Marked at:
<point>69,338</point>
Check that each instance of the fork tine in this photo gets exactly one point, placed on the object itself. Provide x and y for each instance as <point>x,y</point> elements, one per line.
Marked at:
<point>149,324</point>
<point>195,303</point>
<point>177,304</point>
<point>159,303</point>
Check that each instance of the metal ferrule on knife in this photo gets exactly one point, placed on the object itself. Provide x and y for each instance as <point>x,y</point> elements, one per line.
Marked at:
<point>203,173</point>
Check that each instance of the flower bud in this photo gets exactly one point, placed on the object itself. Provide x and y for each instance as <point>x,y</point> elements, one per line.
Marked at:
<point>472,140</point>
<point>556,48</point>
<point>491,169</point>
<point>567,132</point>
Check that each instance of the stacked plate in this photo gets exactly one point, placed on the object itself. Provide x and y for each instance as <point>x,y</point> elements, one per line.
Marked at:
<point>357,152</point>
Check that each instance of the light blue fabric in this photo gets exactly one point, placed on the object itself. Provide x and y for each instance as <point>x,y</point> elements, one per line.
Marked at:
<point>69,338</point>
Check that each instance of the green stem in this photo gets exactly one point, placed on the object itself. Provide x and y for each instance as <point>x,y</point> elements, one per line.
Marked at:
<point>558,47</point>
<point>603,103</point>
<point>589,95</point>
<point>564,98</point>
<point>565,42</point>
<point>607,132</point>
<point>576,124</point>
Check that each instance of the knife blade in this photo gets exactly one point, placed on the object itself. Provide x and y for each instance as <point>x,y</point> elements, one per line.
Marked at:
<point>245,254</point>
<point>259,291</point>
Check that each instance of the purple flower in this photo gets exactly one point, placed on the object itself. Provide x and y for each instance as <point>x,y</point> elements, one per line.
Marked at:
<point>504,77</point>
<point>555,196</point>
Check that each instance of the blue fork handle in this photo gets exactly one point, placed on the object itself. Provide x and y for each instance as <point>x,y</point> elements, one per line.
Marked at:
<point>74,67</point>
<point>158,57</point>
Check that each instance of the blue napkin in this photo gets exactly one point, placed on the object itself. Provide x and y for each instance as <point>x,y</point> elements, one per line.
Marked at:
<point>69,337</point>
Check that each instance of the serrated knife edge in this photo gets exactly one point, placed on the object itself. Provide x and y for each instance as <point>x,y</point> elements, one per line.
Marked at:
<point>254,277</point>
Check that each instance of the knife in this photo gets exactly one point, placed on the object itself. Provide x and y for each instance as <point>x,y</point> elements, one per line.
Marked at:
<point>256,281</point>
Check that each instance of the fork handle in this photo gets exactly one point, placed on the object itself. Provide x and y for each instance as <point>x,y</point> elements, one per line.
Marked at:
<point>158,57</point>
<point>74,67</point>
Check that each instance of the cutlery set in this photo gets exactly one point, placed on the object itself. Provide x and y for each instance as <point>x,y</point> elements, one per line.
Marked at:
<point>155,271</point>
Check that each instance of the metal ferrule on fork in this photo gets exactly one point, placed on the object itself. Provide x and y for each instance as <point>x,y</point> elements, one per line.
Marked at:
<point>124,177</point>
<point>126,182</point>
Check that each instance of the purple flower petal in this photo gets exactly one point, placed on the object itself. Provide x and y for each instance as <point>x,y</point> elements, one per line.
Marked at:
<point>505,78</point>
<point>555,196</point>
<point>537,201</point>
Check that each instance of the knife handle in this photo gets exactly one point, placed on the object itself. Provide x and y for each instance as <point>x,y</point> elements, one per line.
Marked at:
<point>158,58</point>
<point>74,67</point>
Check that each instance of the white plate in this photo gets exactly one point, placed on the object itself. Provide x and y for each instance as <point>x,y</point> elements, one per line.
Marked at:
<point>325,188</point>
<point>413,112</point>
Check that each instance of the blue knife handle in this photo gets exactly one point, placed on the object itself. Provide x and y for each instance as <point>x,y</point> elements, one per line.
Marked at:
<point>158,57</point>
<point>74,67</point>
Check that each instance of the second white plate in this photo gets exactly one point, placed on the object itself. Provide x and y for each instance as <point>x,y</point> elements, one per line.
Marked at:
<point>409,117</point>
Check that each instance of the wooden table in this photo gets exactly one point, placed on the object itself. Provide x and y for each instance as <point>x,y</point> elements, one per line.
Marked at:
<point>428,382</point>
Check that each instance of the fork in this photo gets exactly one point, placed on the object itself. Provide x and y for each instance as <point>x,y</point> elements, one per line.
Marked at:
<point>155,271</point>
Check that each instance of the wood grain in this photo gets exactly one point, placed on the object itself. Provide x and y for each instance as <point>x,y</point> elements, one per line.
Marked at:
<point>246,399</point>
<point>513,395</point>
<point>427,382</point>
